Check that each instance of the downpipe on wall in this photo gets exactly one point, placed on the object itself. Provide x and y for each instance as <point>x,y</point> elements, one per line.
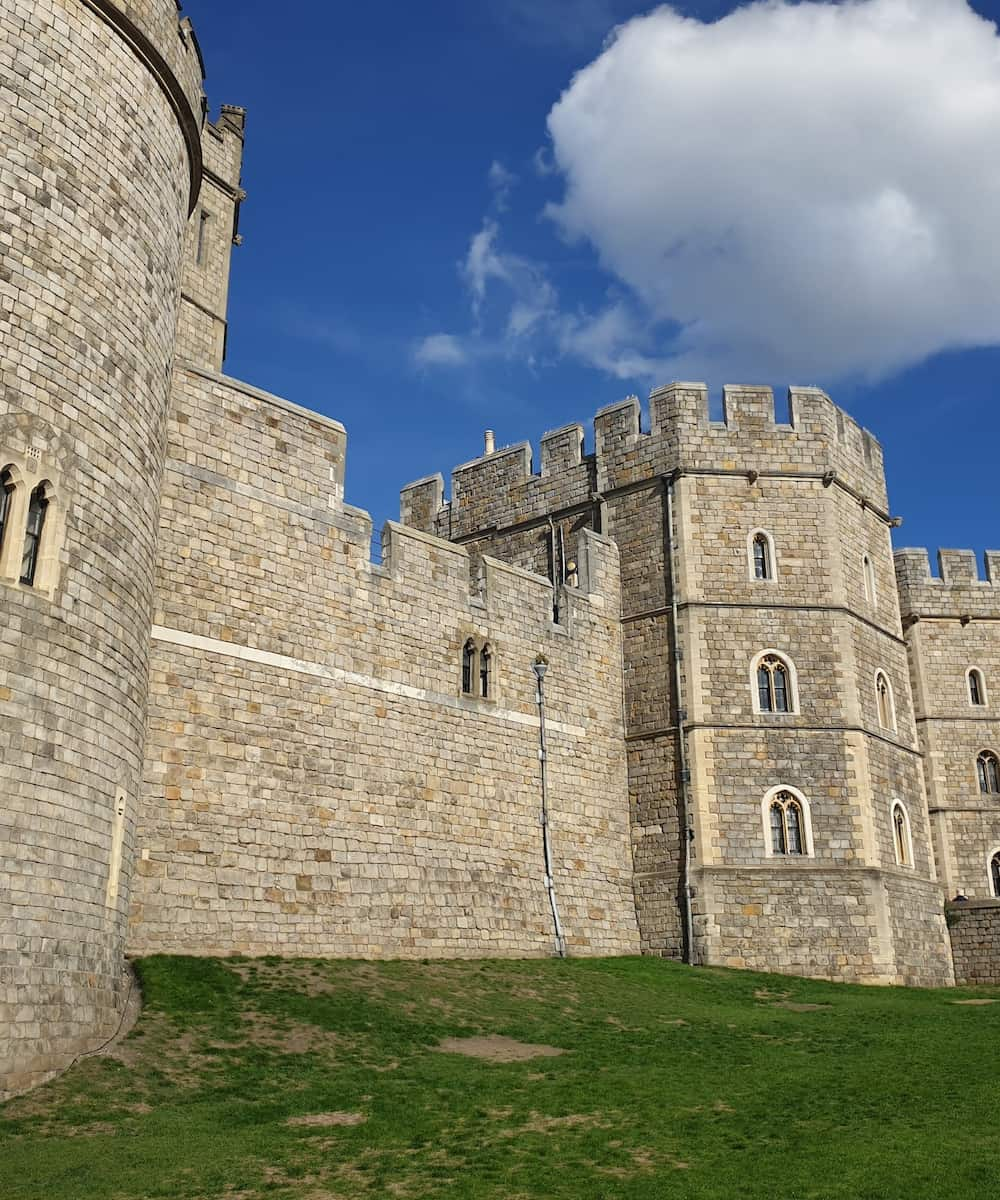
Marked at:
<point>540,666</point>
<point>682,758</point>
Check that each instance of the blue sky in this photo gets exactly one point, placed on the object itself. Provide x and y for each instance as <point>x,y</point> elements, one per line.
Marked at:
<point>485,215</point>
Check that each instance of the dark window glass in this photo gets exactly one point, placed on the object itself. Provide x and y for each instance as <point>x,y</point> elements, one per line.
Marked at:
<point>780,678</point>
<point>761,558</point>
<point>6,498</point>
<point>995,874</point>
<point>468,658</point>
<point>33,534</point>
<point>764,688</point>
<point>793,820</point>
<point>485,662</point>
<point>777,828</point>
<point>975,688</point>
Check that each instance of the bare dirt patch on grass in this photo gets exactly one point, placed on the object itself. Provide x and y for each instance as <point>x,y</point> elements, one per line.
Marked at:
<point>799,1006</point>
<point>326,1120</point>
<point>539,1124</point>
<point>497,1049</point>
<point>976,1003</point>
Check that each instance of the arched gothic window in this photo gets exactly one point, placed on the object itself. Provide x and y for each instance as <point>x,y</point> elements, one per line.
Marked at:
<point>988,770</point>
<point>995,874</point>
<point>901,840</point>
<point>762,556</point>
<point>37,506</point>
<point>468,666</point>
<point>787,824</point>
<point>485,665</point>
<point>977,687</point>
<point>6,502</point>
<point>774,689</point>
<point>884,701</point>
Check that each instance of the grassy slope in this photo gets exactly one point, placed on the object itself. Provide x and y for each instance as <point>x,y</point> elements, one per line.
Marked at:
<point>678,1082</point>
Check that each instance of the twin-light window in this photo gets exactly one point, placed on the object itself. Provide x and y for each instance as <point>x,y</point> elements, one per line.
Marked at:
<point>27,552</point>
<point>477,669</point>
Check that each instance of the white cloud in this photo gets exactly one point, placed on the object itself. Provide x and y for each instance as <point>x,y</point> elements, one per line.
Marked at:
<point>806,190</point>
<point>501,183</point>
<point>440,350</point>
<point>612,340</point>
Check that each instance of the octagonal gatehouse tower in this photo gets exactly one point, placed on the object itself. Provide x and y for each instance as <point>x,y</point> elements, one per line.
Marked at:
<point>101,119</point>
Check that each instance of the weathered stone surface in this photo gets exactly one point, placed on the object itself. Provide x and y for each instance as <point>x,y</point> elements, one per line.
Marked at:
<point>94,196</point>
<point>975,941</point>
<point>848,908</point>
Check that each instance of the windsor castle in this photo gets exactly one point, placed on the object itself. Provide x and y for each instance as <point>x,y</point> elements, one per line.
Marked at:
<point>666,691</point>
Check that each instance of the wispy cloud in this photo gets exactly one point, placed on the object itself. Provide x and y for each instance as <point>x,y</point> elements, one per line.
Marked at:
<point>502,182</point>
<point>517,315</point>
<point>440,350</point>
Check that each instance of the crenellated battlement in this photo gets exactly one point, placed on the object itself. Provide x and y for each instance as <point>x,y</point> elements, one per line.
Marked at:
<point>958,589</point>
<point>414,560</point>
<point>499,489</point>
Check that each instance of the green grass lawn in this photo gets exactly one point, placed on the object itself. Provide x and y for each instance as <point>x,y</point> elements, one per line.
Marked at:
<point>682,1082</point>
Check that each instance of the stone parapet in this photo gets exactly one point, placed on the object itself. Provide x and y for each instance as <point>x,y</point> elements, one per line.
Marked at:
<point>320,776</point>
<point>957,591</point>
<point>499,490</point>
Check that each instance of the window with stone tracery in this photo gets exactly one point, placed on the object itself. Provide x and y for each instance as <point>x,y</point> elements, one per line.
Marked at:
<point>774,684</point>
<point>988,770</point>
<point>787,821</point>
<point>478,669</point>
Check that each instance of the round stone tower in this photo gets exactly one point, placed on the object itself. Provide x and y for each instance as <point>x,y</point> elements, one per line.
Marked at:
<point>100,120</point>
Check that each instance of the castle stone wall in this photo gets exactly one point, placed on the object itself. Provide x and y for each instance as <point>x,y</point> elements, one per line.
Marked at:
<point>975,941</point>
<point>94,195</point>
<point>316,782</point>
<point>816,487</point>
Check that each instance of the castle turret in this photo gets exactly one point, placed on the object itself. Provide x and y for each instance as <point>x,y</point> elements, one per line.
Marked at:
<point>779,820</point>
<point>950,623</point>
<point>100,118</point>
